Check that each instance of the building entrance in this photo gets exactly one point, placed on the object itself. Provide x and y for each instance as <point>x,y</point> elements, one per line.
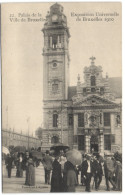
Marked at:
<point>94,143</point>
<point>81,142</point>
<point>94,147</point>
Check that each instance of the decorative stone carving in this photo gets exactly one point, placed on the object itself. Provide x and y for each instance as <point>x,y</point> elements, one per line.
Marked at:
<point>94,119</point>
<point>93,132</point>
<point>77,98</point>
<point>80,100</point>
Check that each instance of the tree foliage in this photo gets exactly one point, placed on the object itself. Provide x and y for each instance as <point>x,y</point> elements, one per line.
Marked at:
<point>38,132</point>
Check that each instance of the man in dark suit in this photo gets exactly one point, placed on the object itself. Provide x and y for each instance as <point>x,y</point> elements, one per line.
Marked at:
<point>87,171</point>
<point>97,172</point>
<point>47,163</point>
<point>25,166</point>
<point>9,162</point>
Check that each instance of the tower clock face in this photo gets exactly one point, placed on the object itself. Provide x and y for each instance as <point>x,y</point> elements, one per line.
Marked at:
<point>54,18</point>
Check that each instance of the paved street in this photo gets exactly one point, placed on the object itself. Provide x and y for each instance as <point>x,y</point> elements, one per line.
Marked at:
<point>16,185</point>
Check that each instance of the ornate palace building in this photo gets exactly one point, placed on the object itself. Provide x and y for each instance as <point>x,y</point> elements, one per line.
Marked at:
<point>86,116</point>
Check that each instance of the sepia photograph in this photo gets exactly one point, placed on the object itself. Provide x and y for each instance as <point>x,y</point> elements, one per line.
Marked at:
<point>61,97</point>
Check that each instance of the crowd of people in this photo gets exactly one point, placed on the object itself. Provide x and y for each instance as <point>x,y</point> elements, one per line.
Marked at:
<point>62,175</point>
<point>23,162</point>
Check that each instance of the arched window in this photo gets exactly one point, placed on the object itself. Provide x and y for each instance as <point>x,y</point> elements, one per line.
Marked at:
<point>54,41</point>
<point>93,82</point>
<point>54,87</point>
<point>54,140</point>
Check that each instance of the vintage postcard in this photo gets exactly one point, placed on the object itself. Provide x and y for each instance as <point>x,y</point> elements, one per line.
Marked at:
<point>61,97</point>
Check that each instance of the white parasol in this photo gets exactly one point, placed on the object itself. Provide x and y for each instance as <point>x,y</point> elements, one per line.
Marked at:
<point>5,150</point>
<point>74,156</point>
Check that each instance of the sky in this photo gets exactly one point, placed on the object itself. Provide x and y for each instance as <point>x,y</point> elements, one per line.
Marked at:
<point>22,60</point>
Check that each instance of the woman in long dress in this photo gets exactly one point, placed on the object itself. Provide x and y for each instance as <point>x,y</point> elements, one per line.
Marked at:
<point>56,179</point>
<point>19,162</point>
<point>30,171</point>
<point>69,178</point>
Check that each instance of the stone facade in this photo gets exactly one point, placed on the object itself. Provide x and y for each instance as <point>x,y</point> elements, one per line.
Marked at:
<point>87,116</point>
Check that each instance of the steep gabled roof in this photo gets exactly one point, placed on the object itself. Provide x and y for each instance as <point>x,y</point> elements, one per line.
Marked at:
<point>115,84</point>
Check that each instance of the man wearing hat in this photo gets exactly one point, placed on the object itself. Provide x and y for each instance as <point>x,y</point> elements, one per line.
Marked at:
<point>98,172</point>
<point>47,163</point>
<point>87,171</point>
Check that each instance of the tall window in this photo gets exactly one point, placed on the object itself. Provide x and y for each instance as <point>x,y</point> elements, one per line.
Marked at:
<point>70,119</point>
<point>55,120</point>
<point>54,41</point>
<point>107,142</point>
<point>93,83</point>
<point>106,119</point>
<point>81,120</point>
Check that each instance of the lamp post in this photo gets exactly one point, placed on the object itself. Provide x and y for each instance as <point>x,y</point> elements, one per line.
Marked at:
<point>62,103</point>
<point>61,124</point>
<point>6,123</point>
<point>28,121</point>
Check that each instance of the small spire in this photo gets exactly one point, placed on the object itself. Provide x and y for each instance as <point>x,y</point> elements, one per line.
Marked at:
<point>107,75</point>
<point>92,60</point>
<point>78,77</point>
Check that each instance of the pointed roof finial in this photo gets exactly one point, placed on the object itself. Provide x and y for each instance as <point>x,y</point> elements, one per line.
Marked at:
<point>92,62</point>
<point>107,75</point>
<point>78,77</point>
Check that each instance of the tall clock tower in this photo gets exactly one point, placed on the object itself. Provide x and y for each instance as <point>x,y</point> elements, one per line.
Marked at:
<point>55,69</point>
<point>56,56</point>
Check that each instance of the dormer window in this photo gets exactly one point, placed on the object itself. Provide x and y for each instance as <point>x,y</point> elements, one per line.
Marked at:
<point>93,81</point>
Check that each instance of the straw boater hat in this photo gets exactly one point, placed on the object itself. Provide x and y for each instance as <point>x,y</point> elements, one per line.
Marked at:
<point>88,155</point>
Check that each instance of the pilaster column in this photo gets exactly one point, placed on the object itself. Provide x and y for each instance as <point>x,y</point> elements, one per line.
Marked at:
<point>101,142</point>
<point>87,143</point>
<point>75,124</point>
<point>75,141</point>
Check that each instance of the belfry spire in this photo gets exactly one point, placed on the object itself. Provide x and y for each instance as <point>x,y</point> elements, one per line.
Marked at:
<point>92,60</point>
